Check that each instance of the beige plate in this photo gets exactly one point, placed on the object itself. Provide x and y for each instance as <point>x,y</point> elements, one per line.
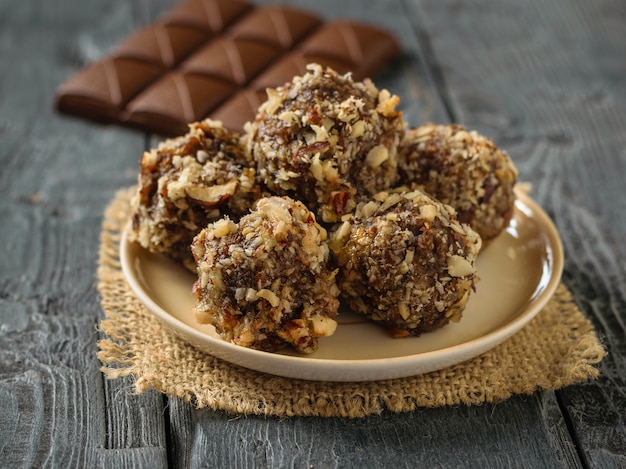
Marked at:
<point>519,272</point>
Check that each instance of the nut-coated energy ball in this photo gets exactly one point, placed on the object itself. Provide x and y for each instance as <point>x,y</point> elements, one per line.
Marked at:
<point>325,139</point>
<point>264,282</point>
<point>187,182</point>
<point>406,262</point>
<point>463,169</point>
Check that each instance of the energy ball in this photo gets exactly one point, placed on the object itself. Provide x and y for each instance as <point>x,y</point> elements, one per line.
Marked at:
<point>406,262</point>
<point>323,139</point>
<point>462,169</point>
<point>264,282</point>
<point>185,183</point>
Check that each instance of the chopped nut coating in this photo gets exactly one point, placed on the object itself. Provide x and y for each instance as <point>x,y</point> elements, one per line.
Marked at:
<point>463,169</point>
<point>325,139</point>
<point>264,282</point>
<point>187,182</point>
<point>406,262</point>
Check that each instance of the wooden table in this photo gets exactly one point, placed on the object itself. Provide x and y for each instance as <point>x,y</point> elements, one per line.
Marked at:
<point>545,80</point>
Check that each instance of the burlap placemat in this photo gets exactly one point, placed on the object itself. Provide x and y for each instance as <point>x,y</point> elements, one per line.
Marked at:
<point>558,348</point>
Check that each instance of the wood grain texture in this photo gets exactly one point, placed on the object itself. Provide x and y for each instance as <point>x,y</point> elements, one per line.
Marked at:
<point>57,176</point>
<point>544,79</point>
<point>490,436</point>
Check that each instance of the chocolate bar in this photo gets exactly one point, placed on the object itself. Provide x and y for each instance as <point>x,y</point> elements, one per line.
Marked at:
<point>215,58</point>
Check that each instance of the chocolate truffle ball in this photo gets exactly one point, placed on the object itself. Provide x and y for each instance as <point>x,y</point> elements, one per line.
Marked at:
<point>463,169</point>
<point>406,262</point>
<point>185,183</point>
<point>264,282</point>
<point>325,139</point>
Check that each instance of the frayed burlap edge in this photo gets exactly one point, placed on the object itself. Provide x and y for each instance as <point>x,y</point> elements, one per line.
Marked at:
<point>558,348</point>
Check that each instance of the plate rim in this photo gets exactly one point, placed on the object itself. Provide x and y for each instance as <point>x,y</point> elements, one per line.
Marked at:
<point>374,369</point>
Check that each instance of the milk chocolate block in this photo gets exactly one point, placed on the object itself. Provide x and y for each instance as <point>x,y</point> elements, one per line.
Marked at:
<point>215,58</point>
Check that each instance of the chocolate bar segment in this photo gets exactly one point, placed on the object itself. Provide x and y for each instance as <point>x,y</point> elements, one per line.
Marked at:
<point>210,15</point>
<point>178,98</point>
<point>365,48</point>
<point>237,60</point>
<point>279,26</point>
<point>101,90</point>
<point>163,44</point>
<point>215,58</point>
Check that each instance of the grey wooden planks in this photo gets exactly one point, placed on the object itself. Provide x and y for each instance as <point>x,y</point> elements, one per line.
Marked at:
<point>521,432</point>
<point>57,176</point>
<point>543,80</point>
<point>550,90</point>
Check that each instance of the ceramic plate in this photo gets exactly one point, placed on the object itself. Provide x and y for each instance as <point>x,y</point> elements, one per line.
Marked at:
<point>519,272</point>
